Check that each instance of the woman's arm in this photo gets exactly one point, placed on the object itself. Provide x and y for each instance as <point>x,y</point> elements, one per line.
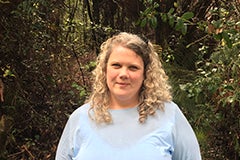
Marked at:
<point>186,146</point>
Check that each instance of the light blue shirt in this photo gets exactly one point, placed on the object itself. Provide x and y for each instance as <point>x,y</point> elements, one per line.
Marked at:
<point>165,136</point>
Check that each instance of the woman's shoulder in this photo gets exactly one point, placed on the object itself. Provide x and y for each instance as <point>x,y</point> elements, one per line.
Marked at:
<point>171,109</point>
<point>170,106</point>
<point>80,112</point>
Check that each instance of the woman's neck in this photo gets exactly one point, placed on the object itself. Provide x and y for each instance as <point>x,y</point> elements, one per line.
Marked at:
<point>121,104</point>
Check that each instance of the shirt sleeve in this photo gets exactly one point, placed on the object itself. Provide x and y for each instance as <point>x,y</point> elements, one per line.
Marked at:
<point>64,149</point>
<point>186,146</point>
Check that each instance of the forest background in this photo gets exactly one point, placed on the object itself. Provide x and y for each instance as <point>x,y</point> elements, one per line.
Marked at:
<point>47,53</point>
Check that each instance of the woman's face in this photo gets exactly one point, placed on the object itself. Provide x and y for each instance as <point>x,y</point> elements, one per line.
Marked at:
<point>125,74</point>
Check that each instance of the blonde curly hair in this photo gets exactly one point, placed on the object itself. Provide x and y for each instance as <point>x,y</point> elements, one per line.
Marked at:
<point>154,91</point>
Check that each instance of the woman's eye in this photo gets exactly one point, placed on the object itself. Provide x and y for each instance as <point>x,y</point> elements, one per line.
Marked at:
<point>134,68</point>
<point>116,65</point>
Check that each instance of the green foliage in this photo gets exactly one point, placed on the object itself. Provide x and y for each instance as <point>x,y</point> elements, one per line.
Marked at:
<point>90,66</point>
<point>179,23</point>
<point>4,1</point>
<point>216,89</point>
<point>225,28</point>
<point>38,68</point>
<point>211,98</point>
<point>7,72</point>
<point>149,16</point>
<point>81,90</point>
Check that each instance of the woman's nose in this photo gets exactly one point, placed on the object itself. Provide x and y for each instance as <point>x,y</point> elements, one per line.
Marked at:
<point>123,73</point>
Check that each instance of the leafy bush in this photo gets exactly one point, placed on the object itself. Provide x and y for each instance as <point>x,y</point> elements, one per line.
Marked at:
<point>216,91</point>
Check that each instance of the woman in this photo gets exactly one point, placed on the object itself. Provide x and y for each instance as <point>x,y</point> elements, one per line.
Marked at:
<point>130,114</point>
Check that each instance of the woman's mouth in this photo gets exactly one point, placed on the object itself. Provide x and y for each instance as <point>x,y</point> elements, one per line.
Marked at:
<point>122,84</point>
